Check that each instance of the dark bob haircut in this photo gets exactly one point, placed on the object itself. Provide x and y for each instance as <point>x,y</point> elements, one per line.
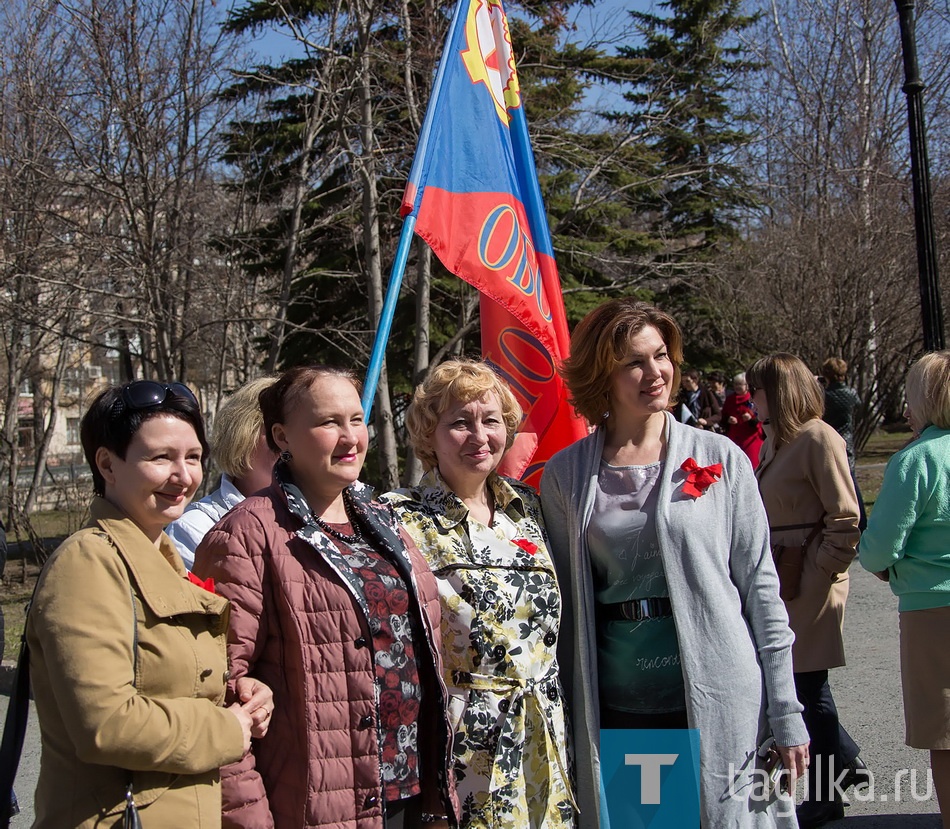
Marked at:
<point>111,423</point>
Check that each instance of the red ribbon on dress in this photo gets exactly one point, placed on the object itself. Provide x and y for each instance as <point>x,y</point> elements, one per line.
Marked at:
<point>699,478</point>
<point>528,546</point>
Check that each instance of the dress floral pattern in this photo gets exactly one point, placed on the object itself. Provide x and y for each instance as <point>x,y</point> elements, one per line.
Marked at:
<point>395,632</point>
<point>500,615</point>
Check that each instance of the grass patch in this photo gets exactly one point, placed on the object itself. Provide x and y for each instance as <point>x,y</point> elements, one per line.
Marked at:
<point>13,598</point>
<point>51,524</point>
<point>881,445</point>
<point>869,480</point>
<point>870,463</point>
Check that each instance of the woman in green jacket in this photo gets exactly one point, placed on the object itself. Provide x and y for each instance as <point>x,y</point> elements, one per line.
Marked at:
<point>127,654</point>
<point>907,543</point>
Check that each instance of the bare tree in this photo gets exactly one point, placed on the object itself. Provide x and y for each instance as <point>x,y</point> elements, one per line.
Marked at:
<point>38,263</point>
<point>145,144</point>
<point>829,268</point>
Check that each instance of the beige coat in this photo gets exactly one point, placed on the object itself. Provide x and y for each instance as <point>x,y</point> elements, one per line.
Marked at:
<point>798,482</point>
<point>99,714</point>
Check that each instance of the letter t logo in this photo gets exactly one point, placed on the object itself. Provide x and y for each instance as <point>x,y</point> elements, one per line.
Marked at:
<point>650,765</point>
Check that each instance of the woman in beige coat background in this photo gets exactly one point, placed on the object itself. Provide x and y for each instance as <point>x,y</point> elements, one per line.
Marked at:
<point>805,483</point>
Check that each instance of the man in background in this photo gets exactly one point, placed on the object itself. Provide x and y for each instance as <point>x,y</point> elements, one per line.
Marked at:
<point>841,402</point>
<point>698,406</point>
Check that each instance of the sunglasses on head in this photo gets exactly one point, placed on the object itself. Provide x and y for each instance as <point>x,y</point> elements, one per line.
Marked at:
<point>147,394</point>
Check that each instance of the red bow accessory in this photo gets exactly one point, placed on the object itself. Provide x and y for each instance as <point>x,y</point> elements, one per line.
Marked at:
<point>207,584</point>
<point>699,478</point>
<point>528,546</point>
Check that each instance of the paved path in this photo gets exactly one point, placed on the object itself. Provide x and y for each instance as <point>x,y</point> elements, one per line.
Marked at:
<point>868,694</point>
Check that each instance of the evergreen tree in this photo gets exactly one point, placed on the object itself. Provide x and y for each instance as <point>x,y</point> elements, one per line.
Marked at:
<point>681,93</point>
<point>591,171</point>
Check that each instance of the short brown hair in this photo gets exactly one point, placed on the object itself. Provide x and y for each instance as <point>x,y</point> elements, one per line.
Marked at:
<point>237,427</point>
<point>792,392</point>
<point>834,370</point>
<point>927,389</point>
<point>278,399</point>
<point>461,380</point>
<point>599,344</point>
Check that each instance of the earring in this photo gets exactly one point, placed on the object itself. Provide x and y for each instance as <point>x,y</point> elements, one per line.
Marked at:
<point>285,456</point>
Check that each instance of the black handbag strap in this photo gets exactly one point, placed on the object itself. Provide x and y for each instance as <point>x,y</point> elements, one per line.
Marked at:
<point>14,727</point>
<point>815,529</point>
<point>819,526</point>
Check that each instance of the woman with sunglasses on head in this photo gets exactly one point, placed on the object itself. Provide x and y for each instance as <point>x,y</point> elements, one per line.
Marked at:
<point>336,610</point>
<point>127,653</point>
<point>809,496</point>
<point>671,617</point>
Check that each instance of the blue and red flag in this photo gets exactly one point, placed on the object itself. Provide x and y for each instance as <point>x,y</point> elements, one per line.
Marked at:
<point>474,193</point>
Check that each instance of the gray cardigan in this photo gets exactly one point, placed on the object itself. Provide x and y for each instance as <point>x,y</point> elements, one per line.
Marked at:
<point>735,643</point>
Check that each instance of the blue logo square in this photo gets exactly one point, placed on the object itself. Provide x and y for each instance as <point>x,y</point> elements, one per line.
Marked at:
<point>649,778</point>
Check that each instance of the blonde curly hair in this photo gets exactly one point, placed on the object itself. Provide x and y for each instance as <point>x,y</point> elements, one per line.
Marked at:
<point>457,380</point>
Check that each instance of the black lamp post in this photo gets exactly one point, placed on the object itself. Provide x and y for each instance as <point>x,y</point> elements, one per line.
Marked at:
<point>930,308</point>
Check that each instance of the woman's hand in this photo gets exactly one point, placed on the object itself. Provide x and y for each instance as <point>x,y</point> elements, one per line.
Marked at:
<point>245,721</point>
<point>257,700</point>
<point>795,759</point>
<point>884,575</point>
<point>732,420</point>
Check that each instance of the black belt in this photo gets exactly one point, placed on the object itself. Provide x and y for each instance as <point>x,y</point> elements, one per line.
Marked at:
<point>636,610</point>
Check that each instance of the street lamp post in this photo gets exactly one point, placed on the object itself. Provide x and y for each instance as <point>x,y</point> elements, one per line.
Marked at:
<point>930,307</point>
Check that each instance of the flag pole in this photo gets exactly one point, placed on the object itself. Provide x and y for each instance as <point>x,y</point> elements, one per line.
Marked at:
<point>375,367</point>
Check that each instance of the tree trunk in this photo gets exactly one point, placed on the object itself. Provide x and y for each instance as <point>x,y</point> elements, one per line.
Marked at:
<point>420,361</point>
<point>383,412</point>
<point>41,452</point>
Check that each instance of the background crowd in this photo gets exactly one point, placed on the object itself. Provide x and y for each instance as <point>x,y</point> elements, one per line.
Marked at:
<point>446,654</point>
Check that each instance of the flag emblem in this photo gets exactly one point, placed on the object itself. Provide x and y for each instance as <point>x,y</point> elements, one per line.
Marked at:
<point>488,57</point>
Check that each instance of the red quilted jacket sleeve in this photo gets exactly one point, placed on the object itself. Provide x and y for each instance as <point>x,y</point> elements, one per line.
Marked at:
<point>232,556</point>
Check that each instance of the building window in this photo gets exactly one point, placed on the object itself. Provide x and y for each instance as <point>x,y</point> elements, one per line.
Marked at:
<point>72,431</point>
<point>25,434</point>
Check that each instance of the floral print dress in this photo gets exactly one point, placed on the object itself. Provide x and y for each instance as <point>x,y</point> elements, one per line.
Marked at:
<point>500,615</point>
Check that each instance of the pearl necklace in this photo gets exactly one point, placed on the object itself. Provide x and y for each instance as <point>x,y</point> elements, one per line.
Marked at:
<point>346,539</point>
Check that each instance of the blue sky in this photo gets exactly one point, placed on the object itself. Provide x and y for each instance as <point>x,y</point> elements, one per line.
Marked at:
<point>606,21</point>
<point>603,23</point>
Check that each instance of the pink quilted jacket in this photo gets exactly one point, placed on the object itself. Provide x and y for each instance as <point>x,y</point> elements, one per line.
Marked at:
<point>297,626</point>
